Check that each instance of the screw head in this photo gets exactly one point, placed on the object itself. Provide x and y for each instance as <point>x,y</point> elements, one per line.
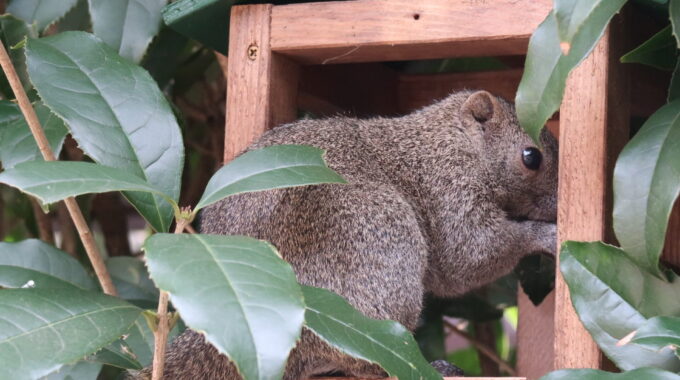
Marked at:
<point>252,52</point>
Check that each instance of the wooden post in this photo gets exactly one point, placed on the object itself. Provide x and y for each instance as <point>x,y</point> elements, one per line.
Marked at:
<point>261,86</point>
<point>594,120</point>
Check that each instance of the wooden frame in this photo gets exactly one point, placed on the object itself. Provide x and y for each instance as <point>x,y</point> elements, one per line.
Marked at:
<point>279,60</point>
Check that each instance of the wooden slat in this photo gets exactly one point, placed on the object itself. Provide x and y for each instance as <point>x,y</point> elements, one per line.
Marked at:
<point>593,127</point>
<point>261,86</point>
<point>387,30</point>
<point>364,89</point>
<point>416,91</point>
<point>535,338</point>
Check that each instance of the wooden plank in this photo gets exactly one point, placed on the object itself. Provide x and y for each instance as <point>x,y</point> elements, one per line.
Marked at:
<point>416,91</point>
<point>535,338</point>
<point>388,30</point>
<point>363,89</point>
<point>594,126</point>
<point>261,86</point>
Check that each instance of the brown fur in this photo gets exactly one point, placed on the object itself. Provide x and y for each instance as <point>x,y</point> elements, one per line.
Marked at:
<point>437,201</point>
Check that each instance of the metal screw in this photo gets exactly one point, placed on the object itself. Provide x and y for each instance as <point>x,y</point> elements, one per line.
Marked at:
<point>252,52</point>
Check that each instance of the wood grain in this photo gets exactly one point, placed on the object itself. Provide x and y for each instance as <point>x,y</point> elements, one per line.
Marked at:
<point>416,91</point>
<point>593,127</point>
<point>261,86</point>
<point>535,337</point>
<point>387,30</point>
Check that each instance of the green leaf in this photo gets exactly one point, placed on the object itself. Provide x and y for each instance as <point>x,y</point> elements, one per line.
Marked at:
<point>237,282</point>
<point>131,279</point>
<point>613,296</point>
<point>646,185</point>
<point>659,333</point>
<point>546,69</point>
<point>190,17</point>
<point>17,144</point>
<point>78,18</point>
<point>115,111</point>
<point>82,370</point>
<point>140,339</point>
<point>13,31</point>
<point>117,354</point>
<point>659,51</point>
<point>272,167</point>
<point>674,15</point>
<point>38,258</point>
<point>593,374</point>
<point>43,329</point>
<point>386,343</point>
<point>674,86</point>
<point>41,12</point>
<point>56,180</point>
<point>127,25</point>
<point>166,55</point>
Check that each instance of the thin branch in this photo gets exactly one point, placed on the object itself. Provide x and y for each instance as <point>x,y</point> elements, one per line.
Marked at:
<point>191,229</point>
<point>48,155</point>
<point>42,220</point>
<point>482,348</point>
<point>163,328</point>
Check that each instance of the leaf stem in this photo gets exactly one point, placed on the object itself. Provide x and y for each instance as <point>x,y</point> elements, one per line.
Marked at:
<point>161,333</point>
<point>44,146</point>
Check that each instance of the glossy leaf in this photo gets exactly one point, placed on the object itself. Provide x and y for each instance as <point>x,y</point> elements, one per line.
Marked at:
<point>237,291</point>
<point>41,12</point>
<point>117,354</point>
<point>659,51</point>
<point>78,18</point>
<point>272,167</point>
<point>115,111</point>
<point>659,333</point>
<point>56,180</point>
<point>131,279</point>
<point>17,143</point>
<point>613,296</point>
<point>674,15</point>
<point>13,31</point>
<point>82,370</point>
<point>646,185</point>
<point>546,69</point>
<point>127,25</point>
<point>43,329</point>
<point>40,259</point>
<point>674,86</point>
<point>190,17</point>
<point>141,341</point>
<point>593,374</point>
<point>382,342</point>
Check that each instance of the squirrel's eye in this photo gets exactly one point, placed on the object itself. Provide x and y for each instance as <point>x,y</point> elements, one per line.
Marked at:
<point>531,157</point>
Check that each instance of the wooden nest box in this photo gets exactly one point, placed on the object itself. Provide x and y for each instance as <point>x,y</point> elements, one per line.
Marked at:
<point>321,57</point>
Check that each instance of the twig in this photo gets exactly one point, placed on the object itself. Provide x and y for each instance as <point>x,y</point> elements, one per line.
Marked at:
<point>43,222</point>
<point>48,155</point>
<point>163,328</point>
<point>191,229</point>
<point>486,351</point>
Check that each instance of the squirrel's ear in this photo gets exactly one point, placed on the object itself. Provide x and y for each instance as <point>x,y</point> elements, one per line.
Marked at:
<point>479,107</point>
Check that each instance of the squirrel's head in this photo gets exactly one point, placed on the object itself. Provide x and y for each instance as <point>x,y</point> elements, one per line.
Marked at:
<point>524,173</point>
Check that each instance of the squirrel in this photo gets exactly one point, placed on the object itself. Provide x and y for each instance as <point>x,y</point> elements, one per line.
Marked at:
<point>443,200</point>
